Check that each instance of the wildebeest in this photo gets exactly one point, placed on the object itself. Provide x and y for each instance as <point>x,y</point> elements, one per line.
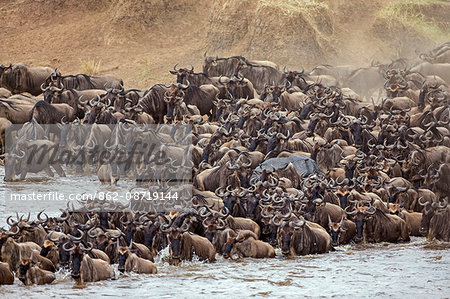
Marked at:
<point>246,244</point>
<point>46,113</point>
<point>20,78</point>
<point>435,220</point>
<point>76,99</point>
<point>130,262</point>
<point>183,245</point>
<point>433,69</point>
<point>153,102</point>
<point>17,112</point>
<point>259,73</point>
<point>39,154</point>
<point>85,268</point>
<point>341,232</point>
<point>301,237</point>
<point>6,276</point>
<point>82,81</point>
<point>29,273</point>
<point>373,225</point>
<point>12,252</point>
<point>202,97</point>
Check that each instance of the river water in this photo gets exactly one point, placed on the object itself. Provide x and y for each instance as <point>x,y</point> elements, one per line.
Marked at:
<point>417,269</point>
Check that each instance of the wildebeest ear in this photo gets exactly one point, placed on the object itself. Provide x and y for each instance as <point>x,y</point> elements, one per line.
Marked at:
<point>173,72</point>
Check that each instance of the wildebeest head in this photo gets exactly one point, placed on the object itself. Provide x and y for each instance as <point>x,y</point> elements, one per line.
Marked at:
<point>174,96</point>
<point>7,78</point>
<point>361,214</point>
<point>55,79</point>
<point>336,228</point>
<point>271,94</point>
<point>13,164</point>
<point>64,256</point>
<point>77,252</point>
<point>233,85</point>
<point>130,229</point>
<point>294,78</point>
<point>124,252</point>
<point>212,225</point>
<point>52,94</point>
<point>429,211</point>
<point>229,244</point>
<point>395,89</point>
<point>181,73</point>
<point>286,233</point>
<point>24,266</point>
<point>175,238</point>
<point>46,247</point>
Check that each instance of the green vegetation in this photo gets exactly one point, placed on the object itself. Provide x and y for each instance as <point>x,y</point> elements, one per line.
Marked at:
<point>90,67</point>
<point>410,14</point>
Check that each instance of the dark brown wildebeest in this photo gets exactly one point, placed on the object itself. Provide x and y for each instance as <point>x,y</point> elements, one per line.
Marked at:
<point>130,262</point>
<point>6,276</point>
<point>203,97</point>
<point>85,268</point>
<point>373,225</point>
<point>438,179</point>
<point>46,113</point>
<point>238,87</point>
<point>20,78</point>
<point>82,81</point>
<point>183,244</point>
<point>17,112</point>
<point>12,252</point>
<point>217,177</point>
<point>30,273</point>
<point>341,232</point>
<point>301,237</point>
<point>153,102</point>
<point>323,210</point>
<point>76,99</point>
<point>258,72</point>
<point>436,220</point>
<point>246,244</point>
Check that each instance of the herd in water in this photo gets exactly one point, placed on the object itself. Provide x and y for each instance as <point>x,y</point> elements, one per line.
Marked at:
<point>264,158</point>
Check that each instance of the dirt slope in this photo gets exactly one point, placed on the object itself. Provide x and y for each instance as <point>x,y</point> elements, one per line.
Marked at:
<point>141,40</point>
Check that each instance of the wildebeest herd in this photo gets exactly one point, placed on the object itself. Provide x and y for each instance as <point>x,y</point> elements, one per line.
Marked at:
<point>302,161</point>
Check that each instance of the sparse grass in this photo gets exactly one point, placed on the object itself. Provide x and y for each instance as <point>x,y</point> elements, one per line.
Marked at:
<point>41,63</point>
<point>90,67</point>
<point>408,12</point>
<point>290,6</point>
<point>145,70</point>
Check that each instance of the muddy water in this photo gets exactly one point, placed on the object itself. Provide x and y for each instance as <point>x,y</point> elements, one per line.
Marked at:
<point>417,269</point>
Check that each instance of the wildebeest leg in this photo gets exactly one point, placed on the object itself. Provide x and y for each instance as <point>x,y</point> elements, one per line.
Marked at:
<point>48,171</point>
<point>59,170</point>
<point>23,174</point>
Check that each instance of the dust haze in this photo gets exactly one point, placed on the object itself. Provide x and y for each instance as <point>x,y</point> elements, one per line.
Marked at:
<point>141,40</point>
